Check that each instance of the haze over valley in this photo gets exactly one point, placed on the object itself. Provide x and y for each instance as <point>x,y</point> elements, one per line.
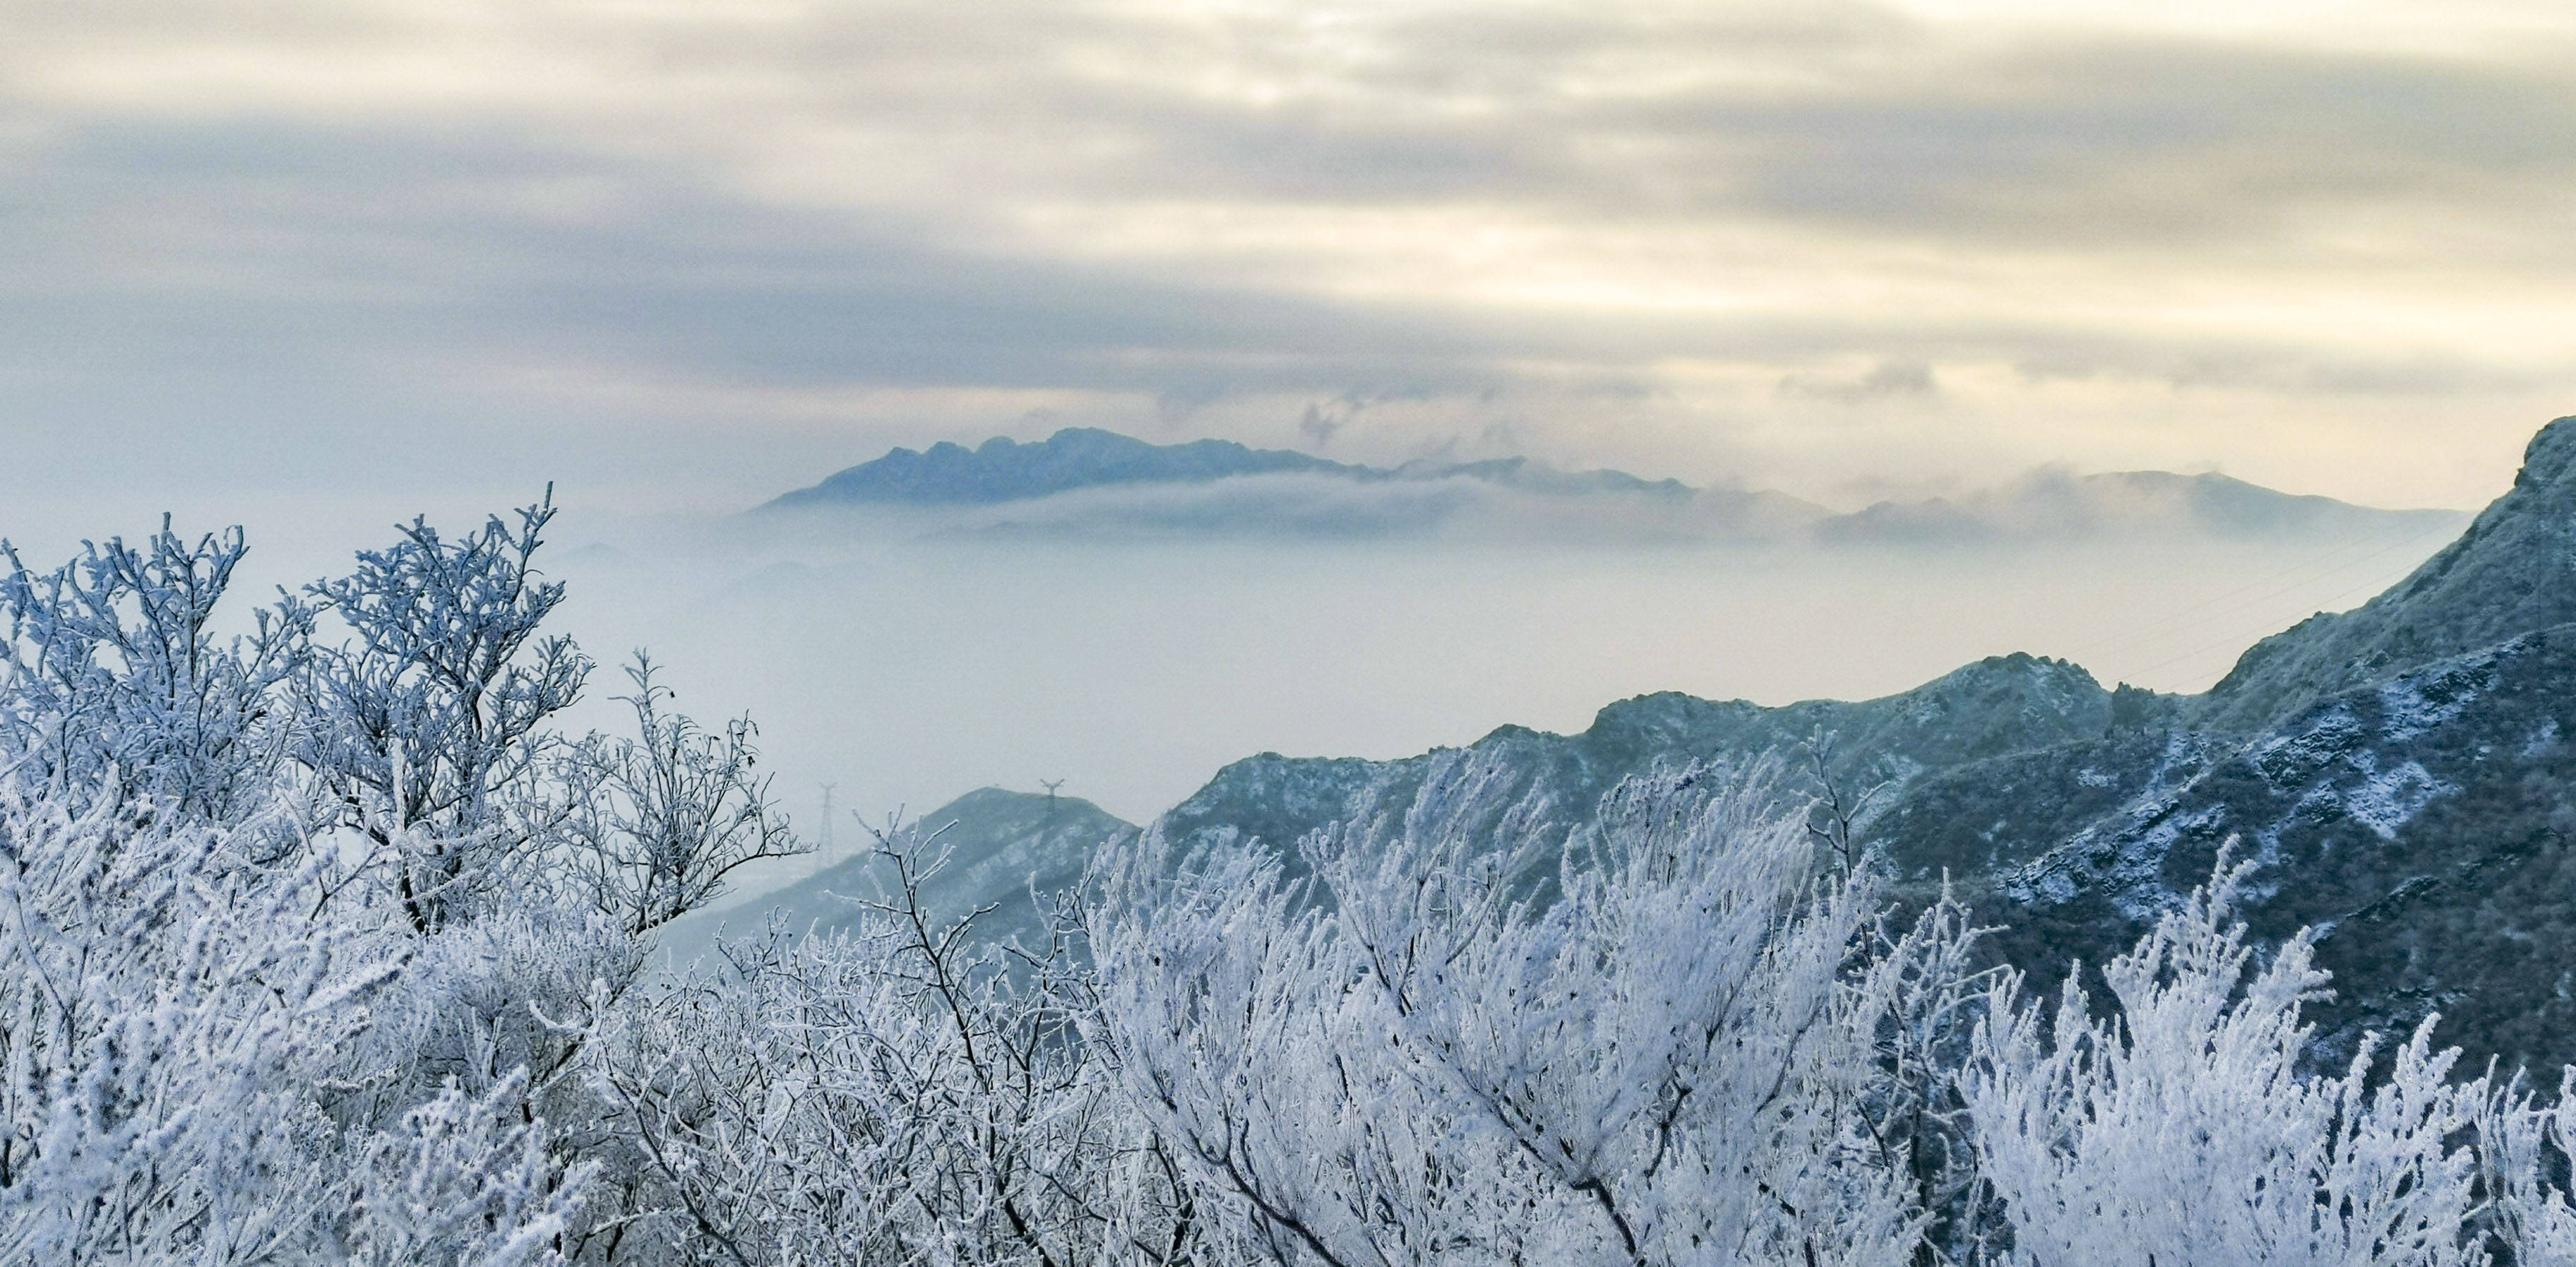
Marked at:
<point>910,650</point>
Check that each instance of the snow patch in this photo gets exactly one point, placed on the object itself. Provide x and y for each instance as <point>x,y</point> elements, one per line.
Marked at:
<point>2543,738</point>
<point>2058,887</point>
<point>2390,799</point>
<point>2411,712</point>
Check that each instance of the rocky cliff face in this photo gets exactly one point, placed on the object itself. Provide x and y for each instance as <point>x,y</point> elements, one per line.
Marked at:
<point>2404,775</point>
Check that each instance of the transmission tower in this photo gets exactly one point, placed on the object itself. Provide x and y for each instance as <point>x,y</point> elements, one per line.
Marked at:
<point>823,844</point>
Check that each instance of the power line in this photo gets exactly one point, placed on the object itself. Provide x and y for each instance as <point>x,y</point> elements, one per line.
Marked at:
<point>2192,616</point>
<point>823,845</point>
<point>2231,640</point>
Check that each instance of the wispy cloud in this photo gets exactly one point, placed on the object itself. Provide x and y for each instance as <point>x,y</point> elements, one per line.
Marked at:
<point>730,247</point>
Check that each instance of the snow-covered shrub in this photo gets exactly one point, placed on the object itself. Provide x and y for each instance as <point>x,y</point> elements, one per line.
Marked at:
<point>892,1094</point>
<point>111,679</point>
<point>1662,1056</point>
<point>1241,1030</point>
<point>2180,1130</point>
<point>2524,1150</point>
<point>463,1181</point>
<point>175,1016</point>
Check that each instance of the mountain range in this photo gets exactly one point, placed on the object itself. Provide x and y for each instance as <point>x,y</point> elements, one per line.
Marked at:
<point>2402,776</point>
<point>1089,481</point>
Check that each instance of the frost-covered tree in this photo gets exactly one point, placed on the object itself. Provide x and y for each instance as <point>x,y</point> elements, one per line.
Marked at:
<point>268,997</point>
<point>651,826</point>
<point>429,724</point>
<point>111,676</point>
<point>2181,1131</point>
<point>1656,1050</point>
<point>891,1094</point>
<point>176,1019</point>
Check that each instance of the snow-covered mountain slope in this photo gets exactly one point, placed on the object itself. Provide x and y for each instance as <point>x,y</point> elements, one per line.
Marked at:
<point>2512,572</point>
<point>2421,822</point>
<point>2001,705</point>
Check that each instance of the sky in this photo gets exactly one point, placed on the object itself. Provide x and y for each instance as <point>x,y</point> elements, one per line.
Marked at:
<point>388,255</point>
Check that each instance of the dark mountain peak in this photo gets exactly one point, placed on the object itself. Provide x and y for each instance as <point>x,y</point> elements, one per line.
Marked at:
<point>2512,572</point>
<point>1671,712</point>
<point>2549,461</point>
<point>1002,469</point>
<point>2052,504</point>
<point>1005,470</point>
<point>2019,673</point>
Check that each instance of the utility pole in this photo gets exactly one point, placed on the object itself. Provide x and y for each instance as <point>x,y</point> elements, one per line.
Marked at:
<point>824,844</point>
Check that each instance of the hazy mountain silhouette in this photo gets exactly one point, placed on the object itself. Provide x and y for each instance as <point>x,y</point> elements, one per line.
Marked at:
<point>1084,481</point>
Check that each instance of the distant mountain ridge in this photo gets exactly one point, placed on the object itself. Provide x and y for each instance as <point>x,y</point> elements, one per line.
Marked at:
<point>1213,486</point>
<point>2058,504</point>
<point>1003,470</point>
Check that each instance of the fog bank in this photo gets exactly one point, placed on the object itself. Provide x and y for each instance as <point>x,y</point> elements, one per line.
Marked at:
<point>911,673</point>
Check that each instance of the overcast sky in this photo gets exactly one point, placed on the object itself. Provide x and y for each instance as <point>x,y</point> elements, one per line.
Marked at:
<point>684,255</point>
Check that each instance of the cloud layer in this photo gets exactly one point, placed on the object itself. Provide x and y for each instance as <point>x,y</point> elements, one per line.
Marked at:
<point>685,254</point>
